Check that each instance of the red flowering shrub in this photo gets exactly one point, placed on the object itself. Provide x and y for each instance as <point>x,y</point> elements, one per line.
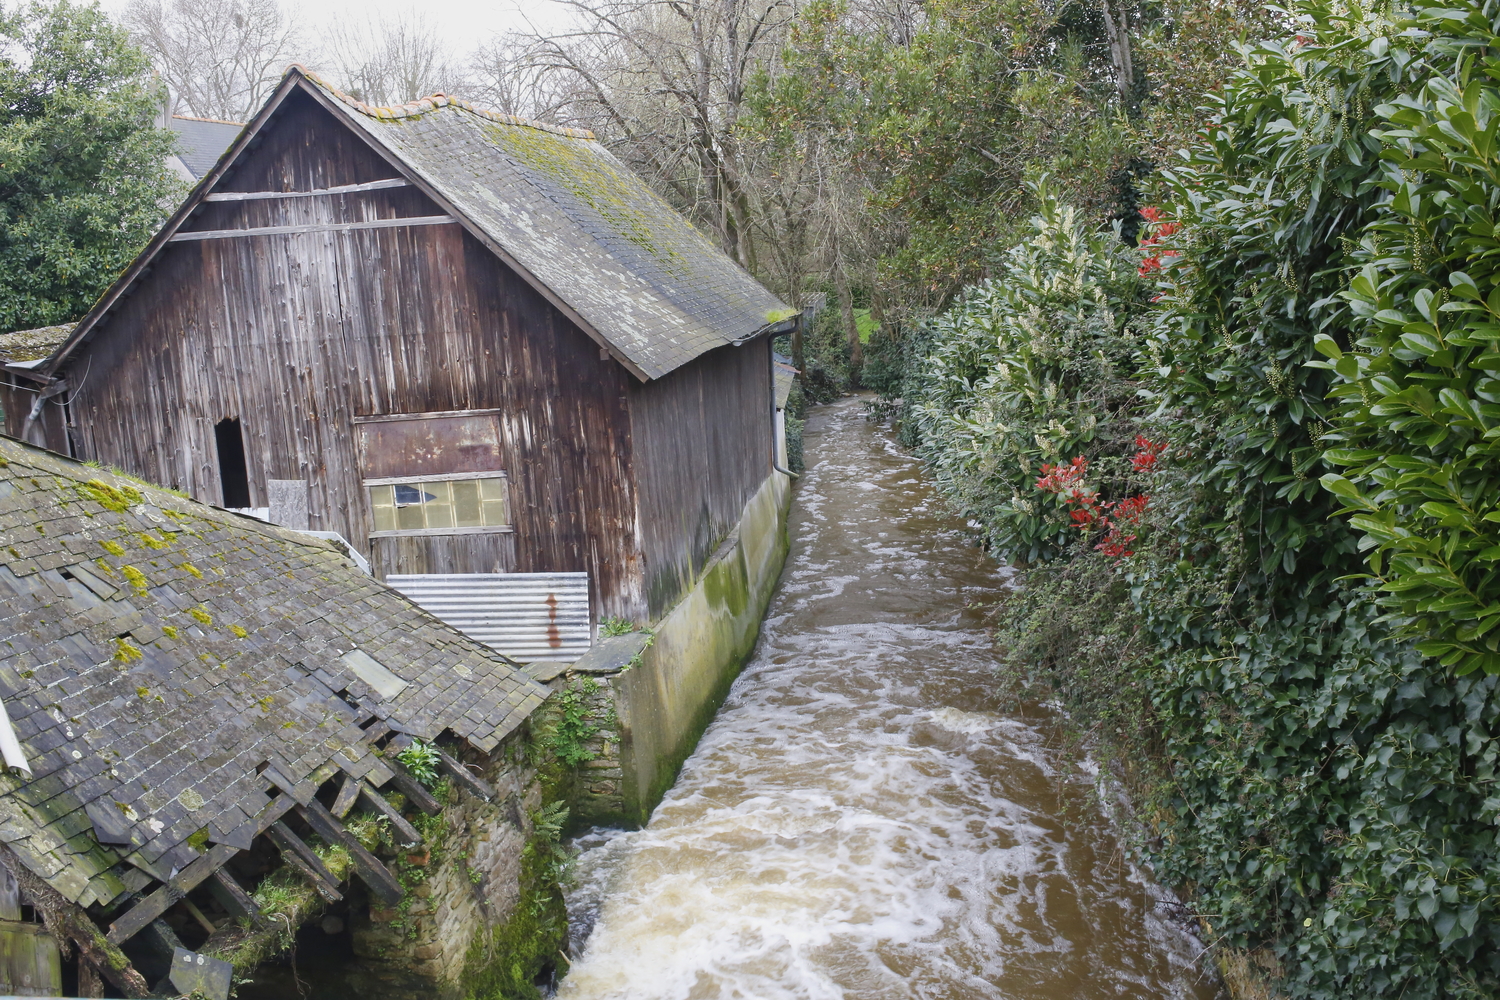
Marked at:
<point>1145,457</point>
<point>1159,229</point>
<point>1089,513</point>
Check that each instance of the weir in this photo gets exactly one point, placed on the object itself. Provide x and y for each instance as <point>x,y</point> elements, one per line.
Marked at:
<point>863,818</point>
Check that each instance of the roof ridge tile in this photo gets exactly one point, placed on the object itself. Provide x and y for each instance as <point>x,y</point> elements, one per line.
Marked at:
<point>432,102</point>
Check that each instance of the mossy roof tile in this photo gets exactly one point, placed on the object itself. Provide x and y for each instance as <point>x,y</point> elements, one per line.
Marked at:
<point>153,719</point>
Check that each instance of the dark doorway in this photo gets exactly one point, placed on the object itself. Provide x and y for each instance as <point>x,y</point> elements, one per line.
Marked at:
<point>234,480</point>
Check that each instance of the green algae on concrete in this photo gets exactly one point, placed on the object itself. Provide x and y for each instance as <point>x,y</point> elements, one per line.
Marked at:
<point>666,701</point>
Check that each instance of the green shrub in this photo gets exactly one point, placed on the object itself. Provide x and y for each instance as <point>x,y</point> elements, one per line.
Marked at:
<point>1324,793</point>
<point>1319,801</point>
<point>1419,421</point>
<point>1032,367</point>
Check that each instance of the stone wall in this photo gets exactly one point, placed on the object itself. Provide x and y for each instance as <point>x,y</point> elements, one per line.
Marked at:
<point>465,882</point>
<point>579,727</point>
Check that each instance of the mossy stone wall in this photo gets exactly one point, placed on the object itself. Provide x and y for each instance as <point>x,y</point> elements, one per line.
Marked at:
<point>464,884</point>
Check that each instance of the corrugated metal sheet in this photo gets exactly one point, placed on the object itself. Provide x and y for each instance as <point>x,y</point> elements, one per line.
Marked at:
<point>529,617</point>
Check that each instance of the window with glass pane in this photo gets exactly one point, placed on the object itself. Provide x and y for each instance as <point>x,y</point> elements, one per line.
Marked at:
<point>471,502</point>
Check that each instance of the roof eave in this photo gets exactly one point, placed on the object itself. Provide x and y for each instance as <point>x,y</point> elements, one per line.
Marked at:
<point>775,329</point>
<point>26,369</point>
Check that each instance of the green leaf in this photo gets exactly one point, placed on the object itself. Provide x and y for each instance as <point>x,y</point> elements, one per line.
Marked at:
<point>1326,345</point>
<point>1339,486</point>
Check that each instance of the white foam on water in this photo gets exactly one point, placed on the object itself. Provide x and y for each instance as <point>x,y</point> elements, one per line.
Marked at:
<point>861,821</point>
<point>960,721</point>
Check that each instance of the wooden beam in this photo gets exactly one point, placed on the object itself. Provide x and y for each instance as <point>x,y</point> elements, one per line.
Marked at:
<point>233,897</point>
<point>371,871</point>
<point>198,915</point>
<point>416,793</point>
<point>289,843</point>
<point>68,921</point>
<point>278,807</point>
<point>348,793</point>
<point>301,859</point>
<point>325,227</point>
<point>409,836</point>
<point>138,916</point>
<point>465,779</point>
<point>394,182</point>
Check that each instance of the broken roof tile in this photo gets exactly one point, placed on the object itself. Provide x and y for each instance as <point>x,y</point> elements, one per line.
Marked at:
<point>163,731</point>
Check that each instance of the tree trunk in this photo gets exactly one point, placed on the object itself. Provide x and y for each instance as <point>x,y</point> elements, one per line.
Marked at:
<point>851,328</point>
<point>1118,31</point>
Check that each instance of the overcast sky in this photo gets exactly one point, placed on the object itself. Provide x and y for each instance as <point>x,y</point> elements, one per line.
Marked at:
<point>465,24</point>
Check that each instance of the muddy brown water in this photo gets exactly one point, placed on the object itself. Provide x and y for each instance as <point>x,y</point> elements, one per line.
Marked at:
<point>862,820</point>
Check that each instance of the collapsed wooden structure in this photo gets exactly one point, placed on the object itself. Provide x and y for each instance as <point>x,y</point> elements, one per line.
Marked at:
<point>186,696</point>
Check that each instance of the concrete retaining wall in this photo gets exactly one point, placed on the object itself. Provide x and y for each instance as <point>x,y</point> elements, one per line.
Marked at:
<point>669,696</point>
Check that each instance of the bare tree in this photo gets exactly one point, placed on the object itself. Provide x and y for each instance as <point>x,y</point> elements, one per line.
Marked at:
<point>664,83</point>
<point>220,58</point>
<point>392,62</point>
<point>505,75</point>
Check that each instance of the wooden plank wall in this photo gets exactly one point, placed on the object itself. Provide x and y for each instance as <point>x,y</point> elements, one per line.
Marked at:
<point>50,430</point>
<point>702,446</point>
<point>297,334</point>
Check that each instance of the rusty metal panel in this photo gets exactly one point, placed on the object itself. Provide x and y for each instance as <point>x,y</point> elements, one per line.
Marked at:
<point>429,445</point>
<point>530,617</point>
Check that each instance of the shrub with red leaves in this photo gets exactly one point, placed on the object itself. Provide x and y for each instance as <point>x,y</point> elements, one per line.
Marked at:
<point>1160,228</point>
<point>1147,451</point>
<point>1116,518</point>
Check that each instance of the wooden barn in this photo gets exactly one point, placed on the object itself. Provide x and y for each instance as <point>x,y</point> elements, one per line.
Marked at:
<point>472,345</point>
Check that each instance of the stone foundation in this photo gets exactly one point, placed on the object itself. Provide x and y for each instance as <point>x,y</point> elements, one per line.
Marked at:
<point>664,686</point>
<point>616,730</point>
<point>459,888</point>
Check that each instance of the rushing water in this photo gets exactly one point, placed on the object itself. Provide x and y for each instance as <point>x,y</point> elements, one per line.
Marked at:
<point>861,821</point>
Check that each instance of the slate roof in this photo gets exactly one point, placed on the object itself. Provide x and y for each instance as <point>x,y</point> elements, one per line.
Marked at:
<point>156,654</point>
<point>586,225</point>
<point>556,205</point>
<point>201,141</point>
<point>30,345</point>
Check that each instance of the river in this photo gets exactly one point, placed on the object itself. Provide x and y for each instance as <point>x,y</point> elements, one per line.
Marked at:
<point>861,820</point>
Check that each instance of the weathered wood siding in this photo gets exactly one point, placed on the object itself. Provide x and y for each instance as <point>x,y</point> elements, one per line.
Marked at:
<point>295,335</point>
<point>17,395</point>
<point>702,446</point>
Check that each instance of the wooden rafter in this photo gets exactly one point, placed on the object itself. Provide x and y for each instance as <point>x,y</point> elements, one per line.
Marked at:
<point>371,871</point>
<point>134,920</point>
<point>305,861</point>
<point>409,836</point>
<point>323,227</point>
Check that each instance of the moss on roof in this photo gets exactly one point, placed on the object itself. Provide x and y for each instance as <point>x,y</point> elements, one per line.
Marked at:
<point>581,222</point>
<point>156,654</point>
<point>30,345</point>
